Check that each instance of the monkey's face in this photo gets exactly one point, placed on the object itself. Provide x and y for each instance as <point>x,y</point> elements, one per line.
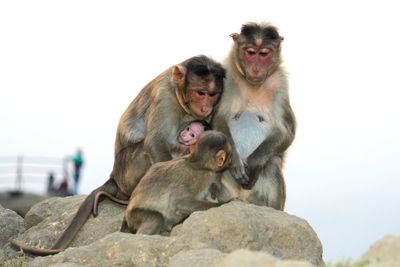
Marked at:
<point>191,133</point>
<point>256,60</point>
<point>202,96</point>
<point>257,51</point>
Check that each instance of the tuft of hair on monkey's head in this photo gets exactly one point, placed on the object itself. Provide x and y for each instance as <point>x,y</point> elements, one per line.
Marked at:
<point>206,67</point>
<point>207,148</point>
<point>265,31</point>
<point>202,65</point>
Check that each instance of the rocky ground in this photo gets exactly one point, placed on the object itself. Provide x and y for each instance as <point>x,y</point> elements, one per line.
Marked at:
<point>235,234</point>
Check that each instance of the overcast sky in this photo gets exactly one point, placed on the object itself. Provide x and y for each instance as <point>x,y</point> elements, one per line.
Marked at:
<point>68,69</point>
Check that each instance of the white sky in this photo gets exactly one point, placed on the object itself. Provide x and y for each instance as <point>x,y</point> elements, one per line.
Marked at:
<point>68,69</point>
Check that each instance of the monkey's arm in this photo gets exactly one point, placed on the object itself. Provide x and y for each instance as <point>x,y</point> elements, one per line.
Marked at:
<point>237,166</point>
<point>131,126</point>
<point>162,126</point>
<point>187,207</point>
<point>276,144</point>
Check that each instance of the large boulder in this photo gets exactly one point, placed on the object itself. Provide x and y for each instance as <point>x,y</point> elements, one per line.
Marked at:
<point>385,252</point>
<point>206,238</point>
<point>48,219</point>
<point>241,225</point>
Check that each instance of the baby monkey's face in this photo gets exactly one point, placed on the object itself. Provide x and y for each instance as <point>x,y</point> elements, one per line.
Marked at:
<point>191,133</point>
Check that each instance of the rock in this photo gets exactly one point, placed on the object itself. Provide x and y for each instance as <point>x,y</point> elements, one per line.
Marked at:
<point>41,211</point>
<point>241,225</point>
<point>385,252</point>
<point>117,249</point>
<point>236,230</point>
<point>20,202</point>
<point>11,224</point>
<point>196,258</point>
<point>49,218</point>
<point>246,258</point>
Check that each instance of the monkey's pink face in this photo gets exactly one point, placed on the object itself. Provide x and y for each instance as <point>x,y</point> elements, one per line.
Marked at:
<point>191,133</point>
<point>256,60</point>
<point>202,101</point>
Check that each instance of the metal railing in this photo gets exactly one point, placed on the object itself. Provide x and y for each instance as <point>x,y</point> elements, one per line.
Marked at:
<point>17,169</point>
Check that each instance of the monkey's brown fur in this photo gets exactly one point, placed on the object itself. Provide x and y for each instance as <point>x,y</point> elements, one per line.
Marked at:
<point>170,191</point>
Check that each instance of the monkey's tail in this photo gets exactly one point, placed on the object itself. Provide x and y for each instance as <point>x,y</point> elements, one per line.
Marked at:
<point>108,195</point>
<point>34,250</point>
<point>75,225</point>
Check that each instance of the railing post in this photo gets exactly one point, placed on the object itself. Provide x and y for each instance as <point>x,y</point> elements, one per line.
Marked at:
<point>20,162</point>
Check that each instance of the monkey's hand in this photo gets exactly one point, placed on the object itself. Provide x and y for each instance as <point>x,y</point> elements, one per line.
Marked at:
<point>252,173</point>
<point>237,169</point>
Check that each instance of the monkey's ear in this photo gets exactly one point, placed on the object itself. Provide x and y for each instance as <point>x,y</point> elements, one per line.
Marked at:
<point>235,36</point>
<point>220,157</point>
<point>178,75</point>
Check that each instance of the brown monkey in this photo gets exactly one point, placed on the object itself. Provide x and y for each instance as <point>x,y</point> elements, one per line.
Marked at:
<point>256,115</point>
<point>147,131</point>
<point>170,191</point>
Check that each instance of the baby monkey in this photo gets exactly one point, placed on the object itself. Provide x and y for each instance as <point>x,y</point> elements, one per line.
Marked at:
<point>190,133</point>
<point>171,190</point>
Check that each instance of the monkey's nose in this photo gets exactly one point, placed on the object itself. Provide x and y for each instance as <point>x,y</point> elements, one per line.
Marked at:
<point>205,109</point>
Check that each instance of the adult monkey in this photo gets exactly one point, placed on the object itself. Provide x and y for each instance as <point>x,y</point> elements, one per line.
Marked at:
<point>147,132</point>
<point>255,114</point>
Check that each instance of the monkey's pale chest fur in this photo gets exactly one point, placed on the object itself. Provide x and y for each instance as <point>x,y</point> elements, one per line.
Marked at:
<point>252,115</point>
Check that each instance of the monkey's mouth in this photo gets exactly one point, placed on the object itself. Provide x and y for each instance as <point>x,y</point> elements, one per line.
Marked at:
<point>254,80</point>
<point>184,143</point>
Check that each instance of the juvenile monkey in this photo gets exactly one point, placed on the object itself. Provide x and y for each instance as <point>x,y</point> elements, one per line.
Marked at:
<point>170,191</point>
<point>256,115</point>
<point>147,132</point>
<point>187,137</point>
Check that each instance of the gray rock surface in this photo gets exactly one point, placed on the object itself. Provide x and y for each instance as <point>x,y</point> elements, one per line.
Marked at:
<point>246,258</point>
<point>240,225</point>
<point>11,224</point>
<point>207,238</point>
<point>48,219</point>
<point>196,258</point>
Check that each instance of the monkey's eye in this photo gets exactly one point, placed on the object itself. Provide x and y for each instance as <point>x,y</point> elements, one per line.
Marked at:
<point>212,94</point>
<point>264,52</point>
<point>251,51</point>
<point>201,93</point>
<point>188,129</point>
<point>192,135</point>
